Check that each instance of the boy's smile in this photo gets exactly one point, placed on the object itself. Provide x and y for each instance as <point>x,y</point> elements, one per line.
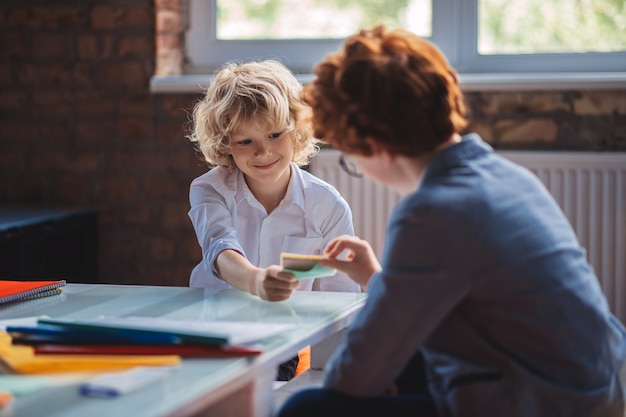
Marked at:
<point>264,157</point>
<point>266,166</point>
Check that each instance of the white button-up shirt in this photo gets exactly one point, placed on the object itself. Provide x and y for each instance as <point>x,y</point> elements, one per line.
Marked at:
<point>226,215</point>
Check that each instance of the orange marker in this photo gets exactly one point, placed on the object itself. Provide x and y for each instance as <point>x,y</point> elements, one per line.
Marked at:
<point>6,398</point>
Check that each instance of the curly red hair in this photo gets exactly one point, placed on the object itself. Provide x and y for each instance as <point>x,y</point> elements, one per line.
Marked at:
<point>390,86</point>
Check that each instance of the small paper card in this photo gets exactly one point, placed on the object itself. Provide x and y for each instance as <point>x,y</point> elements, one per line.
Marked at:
<point>305,266</point>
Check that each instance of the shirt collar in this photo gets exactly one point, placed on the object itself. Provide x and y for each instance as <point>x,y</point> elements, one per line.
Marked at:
<point>294,194</point>
<point>470,147</point>
<point>297,184</point>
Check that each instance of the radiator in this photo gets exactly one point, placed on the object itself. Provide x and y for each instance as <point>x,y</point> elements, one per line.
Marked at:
<point>589,187</point>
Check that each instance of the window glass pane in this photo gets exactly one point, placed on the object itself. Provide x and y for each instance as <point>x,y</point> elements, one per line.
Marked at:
<point>554,26</point>
<point>317,19</point>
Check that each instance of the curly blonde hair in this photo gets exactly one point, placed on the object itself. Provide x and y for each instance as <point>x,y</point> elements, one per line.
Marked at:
<point>265,93</point>
<point>390,86</point>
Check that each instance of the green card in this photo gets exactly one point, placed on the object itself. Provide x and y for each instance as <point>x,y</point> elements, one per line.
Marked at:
<point>305,266</point>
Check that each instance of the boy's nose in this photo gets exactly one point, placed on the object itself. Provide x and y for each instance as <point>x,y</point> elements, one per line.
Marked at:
<point>262,148</point>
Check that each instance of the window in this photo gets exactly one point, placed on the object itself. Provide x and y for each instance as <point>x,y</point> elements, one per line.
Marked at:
<point>477,36</point>
<point>493,44</point>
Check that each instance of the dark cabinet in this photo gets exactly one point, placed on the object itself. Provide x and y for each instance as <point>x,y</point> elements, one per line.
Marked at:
<point>49,243</point>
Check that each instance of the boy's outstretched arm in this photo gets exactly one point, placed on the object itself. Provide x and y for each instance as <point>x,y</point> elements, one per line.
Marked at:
<point>271,283</point>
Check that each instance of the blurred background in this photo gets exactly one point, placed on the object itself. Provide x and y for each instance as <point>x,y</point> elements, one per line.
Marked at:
<point>83,126</point>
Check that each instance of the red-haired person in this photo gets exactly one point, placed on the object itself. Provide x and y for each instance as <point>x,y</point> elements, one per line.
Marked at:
<point>484,303</point>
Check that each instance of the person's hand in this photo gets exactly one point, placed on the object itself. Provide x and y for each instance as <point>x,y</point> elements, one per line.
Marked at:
<point>272,284</point>
<point>360,261</point>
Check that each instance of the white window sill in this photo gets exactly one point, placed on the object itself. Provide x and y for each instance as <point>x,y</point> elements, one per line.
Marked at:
<point>195,83</point>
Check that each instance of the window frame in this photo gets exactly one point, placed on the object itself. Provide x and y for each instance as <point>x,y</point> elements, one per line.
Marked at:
<point>468,60</point>
<point>205,54</point>
<point>460,46</point>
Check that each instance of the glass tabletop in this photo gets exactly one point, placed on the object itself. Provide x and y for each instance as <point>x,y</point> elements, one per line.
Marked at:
<point>316,315</point>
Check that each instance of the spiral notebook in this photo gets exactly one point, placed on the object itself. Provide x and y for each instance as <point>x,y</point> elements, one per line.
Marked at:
<point>12,291</point>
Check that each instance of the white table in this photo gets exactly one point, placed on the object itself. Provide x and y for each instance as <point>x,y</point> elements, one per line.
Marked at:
<point>213,387</point>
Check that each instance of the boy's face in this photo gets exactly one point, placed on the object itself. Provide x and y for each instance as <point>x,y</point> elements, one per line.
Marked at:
<point>263,155</point>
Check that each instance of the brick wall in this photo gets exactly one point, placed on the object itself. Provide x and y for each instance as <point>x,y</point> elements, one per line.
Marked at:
<point>78,126</point>
<point>551,120</point>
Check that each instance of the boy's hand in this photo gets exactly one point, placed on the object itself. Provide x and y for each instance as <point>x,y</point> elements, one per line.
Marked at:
<point>273,284</point>
<point>361,261</point>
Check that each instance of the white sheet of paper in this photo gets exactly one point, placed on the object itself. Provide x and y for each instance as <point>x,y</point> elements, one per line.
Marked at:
<point>23,321</point>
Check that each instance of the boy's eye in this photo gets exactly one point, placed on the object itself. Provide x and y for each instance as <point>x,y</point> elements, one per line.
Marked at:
<point>244,142</point>
<point>275,135</point>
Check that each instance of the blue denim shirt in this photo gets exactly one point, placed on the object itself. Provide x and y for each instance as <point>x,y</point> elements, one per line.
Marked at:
<point>483,272</point>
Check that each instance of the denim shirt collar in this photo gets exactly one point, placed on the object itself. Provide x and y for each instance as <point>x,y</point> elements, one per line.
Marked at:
<point>470,147</point>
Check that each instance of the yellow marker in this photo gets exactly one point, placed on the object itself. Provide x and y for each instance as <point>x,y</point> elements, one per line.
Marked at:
<point>23,360</point>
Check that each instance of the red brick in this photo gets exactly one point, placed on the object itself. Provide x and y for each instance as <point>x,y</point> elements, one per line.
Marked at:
<point>18,17</point>
<point>73,189</point>
<point>138,216</point>
<point>57,17</point>
<point>52,103</point>
<point>84,96</point>
<point>13,101</point>
<point>191,247</point>
<point>161,249</point>
<point>620,126</point>
<point>31,190</point>
<point>485,130</point>
<point>95,47</point>
<point>83,75</point>
<point>169,63</point>
<point>52,98</point>
<point>49,161</point>
<point>98,108</point>
<point>127,75</point>
<point>169,21</point>
<point>87,47</point>
<point>178,106</point>
<point>105,17</point>
<point>95,104</point>
<point>87,163</point>
<point>161,273</point>
<point>180,277</point>
<point>51,46</point>
<point>18,131</point>
<point>54,132</point>
<point>170,4</point>
<point>13,45</point>
<point>174,216</point>
<point>134,129</point>
<point>48,75</point>
<point>94,133</point>
<point>13,161</point>
<point>168,42</point>
<point>136,47</point>
<point>46,18</point>
<point>525,131</point>
<point>171,132</point>
<point>599,103</point>
<point>113,17</point>
<point>6,75</point>
<point>523,103</point>
<point>121,189</point>
<point>151,162</point>
<point>159,188</point>
<point>136,105</point>
<point>108,47</point>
